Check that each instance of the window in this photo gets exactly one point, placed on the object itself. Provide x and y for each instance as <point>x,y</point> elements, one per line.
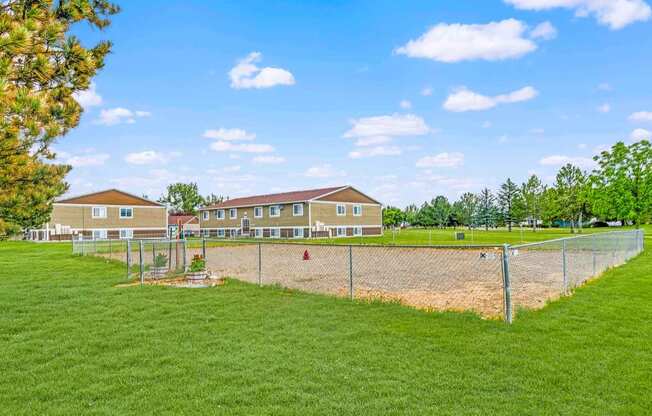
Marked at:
<point>204,215</point>
<point>357,210</point>
<point>357,231</point>
<point>99,212</point>
<point>220,232</point>
<point>298,232</point>
<point>258,212</point>
<point>258,232</point>
<point>126,233</point>
<point>275,232</point>
<point>297,210</point>
<point>341,231</point>
<point>126,212</point>
<point>274,211</point>
<point>233,213</point>
<point>341,210</point>
<point>99,234</point>
<point>219,214</point>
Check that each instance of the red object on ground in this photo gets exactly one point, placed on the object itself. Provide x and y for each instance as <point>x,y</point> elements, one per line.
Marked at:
<point>306,255</point>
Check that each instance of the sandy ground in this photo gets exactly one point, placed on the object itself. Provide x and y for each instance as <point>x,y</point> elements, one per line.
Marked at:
<point>428,278</point>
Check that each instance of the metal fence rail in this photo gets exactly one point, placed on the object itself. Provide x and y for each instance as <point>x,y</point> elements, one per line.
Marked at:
<point>493,281</point>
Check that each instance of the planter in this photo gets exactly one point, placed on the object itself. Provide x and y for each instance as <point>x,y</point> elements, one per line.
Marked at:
<point>196,277</point>
<point>159,272</point>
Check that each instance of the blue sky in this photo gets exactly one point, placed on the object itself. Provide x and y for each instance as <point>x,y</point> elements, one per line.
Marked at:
<point>405,100</point>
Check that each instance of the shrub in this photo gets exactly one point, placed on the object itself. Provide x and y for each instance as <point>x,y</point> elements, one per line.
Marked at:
<point>160,260</point>
<point>198,263</point>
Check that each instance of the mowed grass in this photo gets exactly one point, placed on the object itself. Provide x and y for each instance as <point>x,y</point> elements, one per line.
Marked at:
<point>72,343</point>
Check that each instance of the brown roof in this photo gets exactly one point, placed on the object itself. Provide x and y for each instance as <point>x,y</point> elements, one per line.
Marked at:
<point>183,219</point>
<point>285,197</point>
<point>110,197</point>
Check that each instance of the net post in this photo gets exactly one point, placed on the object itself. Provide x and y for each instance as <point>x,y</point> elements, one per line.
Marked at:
<point>142,262</point>
<point>260,264</point>
<point>351,272</point>
<point>564,266</point>
<point>507,289</point>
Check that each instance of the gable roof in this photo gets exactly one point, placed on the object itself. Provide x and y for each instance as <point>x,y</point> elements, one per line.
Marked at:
<point>109,197</point>
<point>279,198</point>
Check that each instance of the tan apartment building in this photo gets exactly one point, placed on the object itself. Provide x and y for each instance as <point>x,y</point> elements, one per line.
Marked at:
<point>110,214</point>
<point>327,212</point>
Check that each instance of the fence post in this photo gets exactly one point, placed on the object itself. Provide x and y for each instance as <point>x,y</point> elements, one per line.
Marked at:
<point>351,272</point>
<point>183,244</point>
<point>142,262</point>
<point>128,259</point>
<point>507,289</point>
<point>170,256</point>
<point>595,269</point>
<point>203,248</point>
<point>110,251</point>
<point>564,270</point>
<point>260,264</point>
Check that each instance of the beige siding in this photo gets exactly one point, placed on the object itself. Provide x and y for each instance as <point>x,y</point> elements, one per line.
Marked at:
<point>286,219</point>
<point>80,217</point>
<point>348,195</point>
<point>326,213</point>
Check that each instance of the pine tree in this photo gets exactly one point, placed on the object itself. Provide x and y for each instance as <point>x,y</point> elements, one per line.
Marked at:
<point>507,202</point>
<point>486,213</point>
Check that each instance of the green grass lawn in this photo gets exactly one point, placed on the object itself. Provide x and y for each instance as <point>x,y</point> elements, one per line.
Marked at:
<point>72,343</point>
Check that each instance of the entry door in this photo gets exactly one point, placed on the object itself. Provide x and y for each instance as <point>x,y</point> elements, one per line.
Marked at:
<point>245,226</point>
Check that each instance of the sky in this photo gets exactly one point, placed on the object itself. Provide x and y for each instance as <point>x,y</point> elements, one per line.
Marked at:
<point>403,100</point>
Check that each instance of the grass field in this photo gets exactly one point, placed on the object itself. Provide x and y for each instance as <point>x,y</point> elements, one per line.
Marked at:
<point>71,342</point>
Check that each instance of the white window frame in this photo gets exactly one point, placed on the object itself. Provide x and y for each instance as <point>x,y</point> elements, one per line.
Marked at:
<point>128,233</point>
<point>358,208</point>
<point>294,206</point>
<point>337,210</point>
<point>338,229</point>
<point>131,209</point>
<point>218,216</point>
<point>256,210</point>
<point>299,235</point>
<point>258,233</point>
<point>103,234</point>
<point>205,215</point>
<point>231,211</point>
<point>221,233</point>
<point>102,209</point>
<point>278,208</point>
<point>271,232</point>
<point>357,231</point>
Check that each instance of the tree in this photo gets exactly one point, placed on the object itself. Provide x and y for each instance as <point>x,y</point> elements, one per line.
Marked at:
<point>183,198</point>
<point>213,199</point>
<point>622,183</point>
<point>532,193</point>
<point>465,208</point>
<point>392,217</point>
<point>507,202</point>
<point>410,214</point>
<point>441,210</point>
<point>41,69</point>
<point>486,212</point>
<point>425,216</point>
<point>570,194</point>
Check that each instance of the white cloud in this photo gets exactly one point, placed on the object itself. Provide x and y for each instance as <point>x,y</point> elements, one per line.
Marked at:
<point>604,108</point>
<point>268,160</point>
<point>613,13</point>
<point>426,91</point>
<point>120,115</point>
<point>247,75</point>
<point>604,86</point>
<point>441,160</point>
<point>405,104</point>
<point>394,125</point>
<point>149,157</point>
<point>324,171</point>
<point>372,141</point>
<point>375,151</point>
<point>640,134</point>
<point>464,99</point>
<point>228,134</point>
<point>89,97</point>
<point>460,42</point>
<point>560,160</point>
<point>222,146</point>
<point>641,116</point>
<point>545,31</point>
<point>582,146</point>
<point>86,160</point>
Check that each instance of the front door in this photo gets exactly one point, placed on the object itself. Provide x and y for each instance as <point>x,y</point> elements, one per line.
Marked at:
<point>245,226</point>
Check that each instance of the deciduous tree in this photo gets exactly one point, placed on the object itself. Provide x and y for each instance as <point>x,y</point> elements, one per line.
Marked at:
<point>183,198</point>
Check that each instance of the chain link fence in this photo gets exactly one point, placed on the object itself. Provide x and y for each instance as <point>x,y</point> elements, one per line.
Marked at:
<point>492,281</point>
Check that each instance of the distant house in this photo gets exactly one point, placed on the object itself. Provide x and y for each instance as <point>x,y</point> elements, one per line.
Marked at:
<point>110,214</point>
<point>179,224</point>
<point>327,212</point>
